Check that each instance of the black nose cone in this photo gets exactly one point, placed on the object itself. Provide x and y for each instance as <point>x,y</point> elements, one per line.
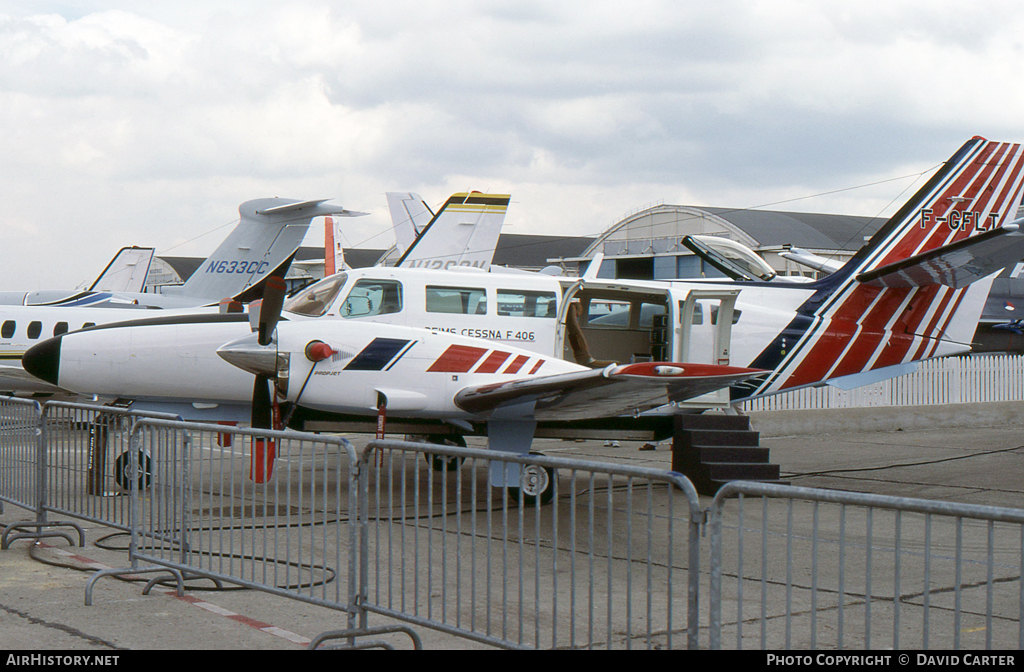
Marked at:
<point>43,360</point>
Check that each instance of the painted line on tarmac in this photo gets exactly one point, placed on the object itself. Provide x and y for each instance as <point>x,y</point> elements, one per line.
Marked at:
<point>189,599</point>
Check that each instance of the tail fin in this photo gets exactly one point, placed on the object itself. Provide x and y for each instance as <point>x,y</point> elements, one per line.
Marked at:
<point>269,232</point>
<point>126,272</point>
<point>334,252</point>
<point>464,232</point>
<point>410,214</point>
<point>915,290</point>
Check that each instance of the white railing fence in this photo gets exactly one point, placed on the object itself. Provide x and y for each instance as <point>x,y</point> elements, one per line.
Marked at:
<point>949,380</point>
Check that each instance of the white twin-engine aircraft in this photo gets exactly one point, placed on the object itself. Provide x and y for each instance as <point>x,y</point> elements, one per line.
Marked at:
<point>494,359</point>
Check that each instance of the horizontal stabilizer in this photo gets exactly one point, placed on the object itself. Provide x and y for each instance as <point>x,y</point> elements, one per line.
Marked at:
<point>302,205</point>
<point>805,258</point>
<point>955,265</point>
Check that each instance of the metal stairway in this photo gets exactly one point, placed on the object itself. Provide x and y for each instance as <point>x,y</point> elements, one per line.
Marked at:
<point>713,449</point>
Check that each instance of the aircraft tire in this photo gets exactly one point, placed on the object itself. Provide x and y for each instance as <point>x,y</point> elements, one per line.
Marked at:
<point>444,462</point>
<point>539,483</point>
<point>122,475</point>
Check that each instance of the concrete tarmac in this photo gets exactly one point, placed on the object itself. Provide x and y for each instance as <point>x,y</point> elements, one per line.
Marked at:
<point>42,584</point>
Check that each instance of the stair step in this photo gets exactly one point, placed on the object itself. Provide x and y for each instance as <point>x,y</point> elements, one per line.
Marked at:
<point>716,485</point>
<point>720,437</point>
<point>712,421</point>
<point>705,454</point>
<point>742,471</point>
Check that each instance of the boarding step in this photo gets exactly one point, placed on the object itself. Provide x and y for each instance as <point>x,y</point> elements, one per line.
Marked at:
<point>713,449</point>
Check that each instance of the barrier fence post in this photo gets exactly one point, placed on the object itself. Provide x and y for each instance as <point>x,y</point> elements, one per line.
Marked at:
<point>23,467</point>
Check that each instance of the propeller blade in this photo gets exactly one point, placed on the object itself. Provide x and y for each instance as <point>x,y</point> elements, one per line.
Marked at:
<point>270,309</point>
<point>230,306</point>
<point>263,450</point>
<point>262,404</point>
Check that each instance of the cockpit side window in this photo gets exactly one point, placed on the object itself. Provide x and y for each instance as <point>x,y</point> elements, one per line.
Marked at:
<point>315,300</point>
<point>372,297</point>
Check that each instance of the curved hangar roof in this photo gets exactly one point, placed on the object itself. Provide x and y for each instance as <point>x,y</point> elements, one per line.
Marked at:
<point>658,229</point>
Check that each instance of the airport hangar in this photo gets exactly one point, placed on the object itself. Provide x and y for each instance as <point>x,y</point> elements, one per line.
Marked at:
<point>645,245</point>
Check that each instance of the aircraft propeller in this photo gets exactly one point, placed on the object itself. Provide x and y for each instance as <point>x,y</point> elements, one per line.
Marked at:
<point>269,315</point>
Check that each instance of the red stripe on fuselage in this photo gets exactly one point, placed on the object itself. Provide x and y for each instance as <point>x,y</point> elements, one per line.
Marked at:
<point>959,297</point>
<point>906,326</point>
<point>517,363</point>
<point>493,362</point>
<point>872,331</point>
<point>930,329</point>
<point>457,359</point>
<point>819,359</point>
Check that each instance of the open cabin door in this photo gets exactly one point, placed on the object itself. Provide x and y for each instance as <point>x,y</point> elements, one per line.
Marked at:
<point>704,336</point>
<point>606,321</point>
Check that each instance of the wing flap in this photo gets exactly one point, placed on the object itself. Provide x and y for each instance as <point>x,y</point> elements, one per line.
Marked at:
<point>614,390</point>
<point>955,265</point>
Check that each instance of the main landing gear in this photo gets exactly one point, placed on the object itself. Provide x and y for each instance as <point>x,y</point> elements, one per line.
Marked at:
<point>537,483</point>
<point>444,462</point>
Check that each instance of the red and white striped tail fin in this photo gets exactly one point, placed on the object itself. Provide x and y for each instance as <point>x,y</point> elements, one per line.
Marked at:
<point>917,288</point>
<point>977,190</point>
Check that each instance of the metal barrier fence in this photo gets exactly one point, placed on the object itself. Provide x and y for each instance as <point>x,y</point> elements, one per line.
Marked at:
<point>19,458</point>
<point>603,565</point>
<point>415,532</point>
<point>814,569</point>
<point>85,449</point>
<point>298,514</point>
<point>268,510</point>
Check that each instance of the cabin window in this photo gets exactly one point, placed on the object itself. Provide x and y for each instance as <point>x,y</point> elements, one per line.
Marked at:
<point>373,297</point>
<point>647,313</point>
<point>60,328</point>
<point>7,330</point>
<point>714,315</point>
<point>34,329</point>
<point>315,300</point>
<point>88,324</point>
<point>608,313</point>
<point>519,303</point>
<point>460,300</point>
<point>698,313</point>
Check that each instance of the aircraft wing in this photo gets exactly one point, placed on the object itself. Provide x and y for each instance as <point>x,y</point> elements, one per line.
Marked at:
<point>955,265</point>
<point>608,392</point>
<point>19,374</point>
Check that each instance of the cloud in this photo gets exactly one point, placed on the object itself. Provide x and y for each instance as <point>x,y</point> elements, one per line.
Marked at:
<point>128,123</point>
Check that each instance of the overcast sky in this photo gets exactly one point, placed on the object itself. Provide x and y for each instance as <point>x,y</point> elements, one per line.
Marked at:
<point>128,123</point>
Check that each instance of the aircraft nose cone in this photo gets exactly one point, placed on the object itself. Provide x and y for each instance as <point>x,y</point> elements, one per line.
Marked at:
<point>43,360</point>
<point>250,356</point>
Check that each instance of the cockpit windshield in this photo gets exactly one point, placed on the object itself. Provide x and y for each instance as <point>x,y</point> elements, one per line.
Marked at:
<point>314,300</point>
